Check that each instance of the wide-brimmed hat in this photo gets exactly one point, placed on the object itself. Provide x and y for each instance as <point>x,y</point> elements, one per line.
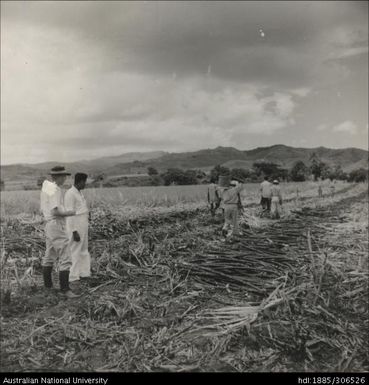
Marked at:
<point>59,170</point>
<point>275,181</point>
<point>233,182</point>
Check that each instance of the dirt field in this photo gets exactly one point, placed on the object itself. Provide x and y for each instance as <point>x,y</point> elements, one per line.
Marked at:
<point>168,294</point>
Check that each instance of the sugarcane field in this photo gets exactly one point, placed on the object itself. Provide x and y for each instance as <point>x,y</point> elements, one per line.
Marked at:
<point>168,293</point>
<point>184,192</point>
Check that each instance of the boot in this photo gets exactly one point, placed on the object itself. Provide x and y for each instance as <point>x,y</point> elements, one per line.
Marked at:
<point>64,285</point>
<point>46,272</point>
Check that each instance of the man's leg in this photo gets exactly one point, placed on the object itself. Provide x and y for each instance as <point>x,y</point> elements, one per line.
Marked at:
<point>75,251</point>
<point>212,211</point>
<point>273,209</point>
<point>262,202</point>
<point>48,259</point>
<point>278,210</point>
<point>235,226</point>
<point>85,258</point>
<point>227,220</point>
<point>217,205</point>
<point>62,245</point>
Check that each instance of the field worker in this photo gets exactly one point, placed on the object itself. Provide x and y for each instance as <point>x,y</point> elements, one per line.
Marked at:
<point>57,240</point>
<point>320,190</point>
<point>266,197</point>
<point>77,228</point>
<point>213,198</point>
<point>333,188</point>
<point>276,200</point>
<point>231,203</point>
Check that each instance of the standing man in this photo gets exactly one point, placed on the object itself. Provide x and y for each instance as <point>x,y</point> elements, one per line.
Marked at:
<point>231,201</point>
<point>77,228</point>
<point>276,200</point>
<point>320,190</point>
<point>266,197</point>
<point>213,198</point>
<point>57,240</point>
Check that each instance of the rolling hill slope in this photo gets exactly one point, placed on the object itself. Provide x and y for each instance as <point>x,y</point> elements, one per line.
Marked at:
<point>137,163</point>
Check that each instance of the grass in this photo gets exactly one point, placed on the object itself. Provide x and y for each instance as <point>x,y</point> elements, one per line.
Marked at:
<point>133,198</point>
<point>148,308</point>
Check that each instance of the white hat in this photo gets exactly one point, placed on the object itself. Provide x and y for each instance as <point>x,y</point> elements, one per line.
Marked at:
<point>275,181</point>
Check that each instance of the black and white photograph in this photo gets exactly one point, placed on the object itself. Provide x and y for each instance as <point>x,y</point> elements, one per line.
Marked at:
<point>184,189</point>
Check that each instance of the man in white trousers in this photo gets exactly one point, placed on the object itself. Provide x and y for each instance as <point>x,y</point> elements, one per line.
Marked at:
<point>77,228</point>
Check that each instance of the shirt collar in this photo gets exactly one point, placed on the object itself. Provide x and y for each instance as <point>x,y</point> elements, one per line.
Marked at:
<point>79,192</point>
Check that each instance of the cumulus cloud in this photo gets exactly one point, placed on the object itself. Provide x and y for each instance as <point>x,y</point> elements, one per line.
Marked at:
<point>347,127</point>
<point>322,127</point>
<point>81,78</point>
<point>301,92</point>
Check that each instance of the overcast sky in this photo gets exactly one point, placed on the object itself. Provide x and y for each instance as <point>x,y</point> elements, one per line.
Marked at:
<point>85,79</point>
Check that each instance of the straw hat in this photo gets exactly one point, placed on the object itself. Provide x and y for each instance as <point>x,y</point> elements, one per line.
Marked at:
<point>58,170</point>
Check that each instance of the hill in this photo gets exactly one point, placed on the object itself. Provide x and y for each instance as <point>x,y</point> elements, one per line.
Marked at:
<point>94,166</point>
<point>137,163</point>
<point>285,156</point>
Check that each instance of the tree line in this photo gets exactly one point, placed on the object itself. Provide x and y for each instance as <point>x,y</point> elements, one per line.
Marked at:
<point>299,172</point>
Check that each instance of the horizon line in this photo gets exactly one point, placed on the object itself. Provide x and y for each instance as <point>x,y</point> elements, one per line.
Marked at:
<point>176,152</point>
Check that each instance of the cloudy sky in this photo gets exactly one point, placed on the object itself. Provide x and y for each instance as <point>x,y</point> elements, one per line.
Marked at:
<point>85,79</point>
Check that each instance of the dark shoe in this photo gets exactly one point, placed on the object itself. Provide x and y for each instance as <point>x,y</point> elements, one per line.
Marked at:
<point>77,287</point>
<point>85,281</point>
<point>49,290</point>
<point>46,273</point>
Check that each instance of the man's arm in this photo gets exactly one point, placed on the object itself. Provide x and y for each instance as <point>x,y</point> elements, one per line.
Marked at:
<point>70,205</point>
<point>59,212</point>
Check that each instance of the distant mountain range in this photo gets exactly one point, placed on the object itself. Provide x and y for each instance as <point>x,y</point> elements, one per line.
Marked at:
<point>137,163</point>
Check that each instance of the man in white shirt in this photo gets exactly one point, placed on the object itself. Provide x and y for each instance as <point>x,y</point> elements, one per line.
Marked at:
<point>77,228</point>
<point>57,241</point>
<point>266,196</point>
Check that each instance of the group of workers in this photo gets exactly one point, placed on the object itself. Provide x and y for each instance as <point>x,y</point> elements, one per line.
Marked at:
<point>228,199</point>
<point>67,215</point>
